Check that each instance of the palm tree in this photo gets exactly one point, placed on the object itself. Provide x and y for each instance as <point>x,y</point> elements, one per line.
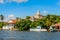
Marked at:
<point>1,22</point>
<point>1,17</point>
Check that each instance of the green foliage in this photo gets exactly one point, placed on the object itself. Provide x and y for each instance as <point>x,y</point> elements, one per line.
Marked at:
<point>1,21</point>
<point>1,25</point>
<point>27,17</point>
<point>23,25</point>
<point>1,17</point>
<point>46,22</point>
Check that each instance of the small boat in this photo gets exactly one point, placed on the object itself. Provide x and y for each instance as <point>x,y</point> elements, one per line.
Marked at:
<point>36,29</point>
<point>54,30</point>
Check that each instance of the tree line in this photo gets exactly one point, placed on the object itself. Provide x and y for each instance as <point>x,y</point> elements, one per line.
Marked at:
<point>26,24</point>
<point>46,22</point>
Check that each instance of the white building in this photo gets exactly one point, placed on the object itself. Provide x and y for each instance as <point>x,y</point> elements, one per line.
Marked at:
<point>36,16</point>
<point>10,20</point>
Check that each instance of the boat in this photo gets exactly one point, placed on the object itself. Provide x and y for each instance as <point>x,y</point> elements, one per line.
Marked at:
<point>37,29</point>
<point>53,30</point>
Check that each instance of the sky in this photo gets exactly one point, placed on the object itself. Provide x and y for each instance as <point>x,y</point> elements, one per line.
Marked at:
<point>22,8</point>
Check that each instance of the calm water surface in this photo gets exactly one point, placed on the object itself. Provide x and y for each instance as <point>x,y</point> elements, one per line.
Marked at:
<point>19,35</point>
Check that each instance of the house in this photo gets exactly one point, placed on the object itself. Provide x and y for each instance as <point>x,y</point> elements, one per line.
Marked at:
<point>10,24</point>
<point>55,27</point>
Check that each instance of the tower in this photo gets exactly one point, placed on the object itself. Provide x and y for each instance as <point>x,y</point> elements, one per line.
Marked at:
<point>38,12</point>
<point>37,15</point>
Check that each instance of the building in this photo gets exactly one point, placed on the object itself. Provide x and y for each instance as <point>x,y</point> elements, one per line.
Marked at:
<point>10,24</point>
<point>36,16</point>
<point>55,27</point>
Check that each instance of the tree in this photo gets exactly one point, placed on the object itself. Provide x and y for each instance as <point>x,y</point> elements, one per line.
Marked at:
<point>1,25</point>
<point>28,17</point>
<point>17,18</point>
<point>1,17</point>
<point>46,22</point>
<point>23,25</point>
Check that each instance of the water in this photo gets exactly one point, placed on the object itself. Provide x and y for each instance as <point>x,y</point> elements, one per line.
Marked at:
<point>19,35</point>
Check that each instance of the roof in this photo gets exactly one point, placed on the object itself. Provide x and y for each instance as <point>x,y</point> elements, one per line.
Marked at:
<point>57,24</point>
<point>12,21</point>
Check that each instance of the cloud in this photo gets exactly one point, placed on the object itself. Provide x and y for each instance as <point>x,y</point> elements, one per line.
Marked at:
<point>11,16</point>
<point>9,1</point>
<point>20,1</point>
<point>1,1</point>
<point>45,11</point>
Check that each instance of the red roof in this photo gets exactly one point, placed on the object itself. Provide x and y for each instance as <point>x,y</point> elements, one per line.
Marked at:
<point>57,24</point>
<point>12,21</point>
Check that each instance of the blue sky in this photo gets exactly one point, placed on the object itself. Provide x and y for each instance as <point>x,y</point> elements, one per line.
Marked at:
<point>22,8</point>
